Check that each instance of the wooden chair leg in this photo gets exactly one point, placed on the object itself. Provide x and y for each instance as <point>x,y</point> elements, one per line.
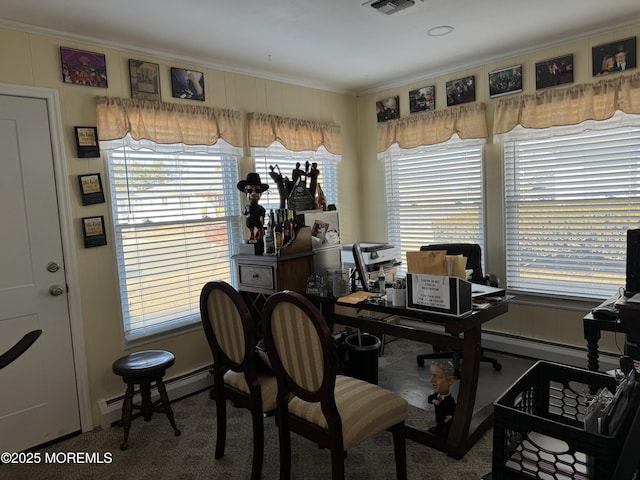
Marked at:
<point>221,414</point>
<point>285,447</point>
<point>258,444</point>
<point>337,464</point>
<point>400,450</point>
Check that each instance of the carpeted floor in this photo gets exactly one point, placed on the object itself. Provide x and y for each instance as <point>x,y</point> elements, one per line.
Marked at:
<point>155,453</point>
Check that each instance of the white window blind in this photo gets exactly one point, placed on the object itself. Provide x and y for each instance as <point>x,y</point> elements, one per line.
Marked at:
<point>569,199</point>
<point>175,218</point>
<point>285,160</point>
<point>434,195</point>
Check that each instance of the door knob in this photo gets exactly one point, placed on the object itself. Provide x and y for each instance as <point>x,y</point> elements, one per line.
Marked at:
<point>56,290</point>
<point>53,267</point>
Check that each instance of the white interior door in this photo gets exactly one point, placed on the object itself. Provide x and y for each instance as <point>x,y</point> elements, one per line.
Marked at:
<point>39,400</point>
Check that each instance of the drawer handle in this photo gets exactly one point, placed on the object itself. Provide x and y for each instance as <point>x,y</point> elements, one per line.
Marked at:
<point>255,275</point>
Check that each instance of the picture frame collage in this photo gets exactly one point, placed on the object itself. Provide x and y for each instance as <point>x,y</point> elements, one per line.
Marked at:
<point>608,58</point>
<point>81,67</point>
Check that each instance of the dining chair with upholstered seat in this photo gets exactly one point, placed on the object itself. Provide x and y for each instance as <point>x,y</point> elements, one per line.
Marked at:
<point>231,334</point>
<point>335,411</point>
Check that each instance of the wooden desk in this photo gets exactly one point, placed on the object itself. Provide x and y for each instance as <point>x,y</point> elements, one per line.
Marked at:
<point>459,334</point>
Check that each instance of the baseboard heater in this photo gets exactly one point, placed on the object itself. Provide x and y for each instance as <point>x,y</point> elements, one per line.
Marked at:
<point>177,387</point>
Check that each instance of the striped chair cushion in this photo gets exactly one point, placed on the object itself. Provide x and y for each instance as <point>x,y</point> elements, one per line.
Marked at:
<point>268,387</point>
<point>367,408</point>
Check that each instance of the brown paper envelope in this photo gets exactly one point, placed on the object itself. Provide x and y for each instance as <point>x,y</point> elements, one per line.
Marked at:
<point>457,266</point>
<point>430,262</point>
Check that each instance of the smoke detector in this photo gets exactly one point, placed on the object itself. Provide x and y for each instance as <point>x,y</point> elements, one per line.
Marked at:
<point>389,6</point>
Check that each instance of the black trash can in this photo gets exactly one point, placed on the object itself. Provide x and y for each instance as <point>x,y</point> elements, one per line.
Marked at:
<point>361,356</point>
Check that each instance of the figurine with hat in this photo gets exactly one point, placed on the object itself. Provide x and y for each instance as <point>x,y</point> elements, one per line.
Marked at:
<point>253,187</point>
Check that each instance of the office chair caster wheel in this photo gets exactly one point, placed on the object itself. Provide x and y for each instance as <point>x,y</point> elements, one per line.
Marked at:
<point>497,367</point>
<point>420,362</point>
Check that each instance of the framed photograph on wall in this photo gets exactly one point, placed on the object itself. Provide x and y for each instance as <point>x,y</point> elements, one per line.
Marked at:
<point>555,71</point>
<point>422,99</point>
<point>91,189</point>
<point>187,84</point>
<point>145,80</point>
<point>462,90</point>
<point>505,81</point>
<point>613,57</point>
<point>83,68</point>
<point>87,142</point>
<point>93,231</point>
<point>388,108</point>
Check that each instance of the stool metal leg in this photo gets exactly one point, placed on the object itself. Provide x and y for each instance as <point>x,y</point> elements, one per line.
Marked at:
<point>166,406</point>
<point>127,407</point>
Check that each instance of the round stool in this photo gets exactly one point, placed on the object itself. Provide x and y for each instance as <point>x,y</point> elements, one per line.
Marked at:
<point>143,368</point>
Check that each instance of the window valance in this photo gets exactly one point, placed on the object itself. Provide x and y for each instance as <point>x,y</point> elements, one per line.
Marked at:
<point>295,134</point>
<point>569,106</point>
<point>468,121</point>
<point>167,123</point>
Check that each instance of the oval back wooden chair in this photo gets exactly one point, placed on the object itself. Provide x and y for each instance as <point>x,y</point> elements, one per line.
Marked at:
<point>335,411</point>
<point>231,335</point>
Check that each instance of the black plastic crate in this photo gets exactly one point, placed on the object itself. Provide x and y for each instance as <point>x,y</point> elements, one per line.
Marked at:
<point>539,427</point>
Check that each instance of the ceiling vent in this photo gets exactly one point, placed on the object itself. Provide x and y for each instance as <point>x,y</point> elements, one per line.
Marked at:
<point>390,6</point>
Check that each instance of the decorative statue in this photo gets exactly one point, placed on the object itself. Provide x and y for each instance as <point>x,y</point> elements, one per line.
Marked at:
<point>442,378</point>
<point>253,188</point>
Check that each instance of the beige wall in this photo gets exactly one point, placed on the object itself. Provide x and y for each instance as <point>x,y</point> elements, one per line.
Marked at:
<point>562,322</point>
<point>34,60</point>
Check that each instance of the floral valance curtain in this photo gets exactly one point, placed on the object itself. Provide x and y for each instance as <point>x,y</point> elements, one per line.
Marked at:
<point>569,106</point>
<point>167,123</point>
<point>468,121</point>
<point>295,134</point>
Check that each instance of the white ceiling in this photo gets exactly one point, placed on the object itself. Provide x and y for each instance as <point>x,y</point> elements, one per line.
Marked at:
<point>338,45</point>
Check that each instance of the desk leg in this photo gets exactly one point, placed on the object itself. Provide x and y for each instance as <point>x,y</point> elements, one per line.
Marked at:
<point>592,336</point>
<point>463,433</point>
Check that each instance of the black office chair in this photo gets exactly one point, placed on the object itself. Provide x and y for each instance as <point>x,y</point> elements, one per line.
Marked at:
<point>473,253</point>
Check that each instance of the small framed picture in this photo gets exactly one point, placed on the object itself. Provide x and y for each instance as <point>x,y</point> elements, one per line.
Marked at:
<point>388,108</point>
<point>505,81</point>
<point>462,90</point>
<point>555,71</point>
<point>83,68</point>
<point>614,57</point>
<point>145,80</point>
<point>422,99</point>
<point>91,189</point>
<point>187,84</point>
<point>87,142</point>
<point>93,231</point>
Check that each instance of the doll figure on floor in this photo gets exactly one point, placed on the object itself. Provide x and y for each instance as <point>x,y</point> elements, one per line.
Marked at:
<point>442,378</point>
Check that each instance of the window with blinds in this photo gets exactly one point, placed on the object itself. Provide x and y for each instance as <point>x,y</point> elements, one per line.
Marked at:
<point>434,195</point>
<point>284,162</point>
<point>175,217</point>
<point>569,201</point>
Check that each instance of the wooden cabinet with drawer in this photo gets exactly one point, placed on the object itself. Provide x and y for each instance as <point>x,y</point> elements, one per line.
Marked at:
<point>266,275</point>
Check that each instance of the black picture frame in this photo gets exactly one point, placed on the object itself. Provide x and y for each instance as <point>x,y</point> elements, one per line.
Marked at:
<point>422,99</point>
<point>145,80</point>
<point>91,191</point>
<point>93,231</point>
<point>605,58</point>
<point>83,68</point>
<point>87,142</point>
<point>388,108</point>
<point>187,84</point>
<point>505,81</point>
<point>462,90</point>
<point>554,71</point>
